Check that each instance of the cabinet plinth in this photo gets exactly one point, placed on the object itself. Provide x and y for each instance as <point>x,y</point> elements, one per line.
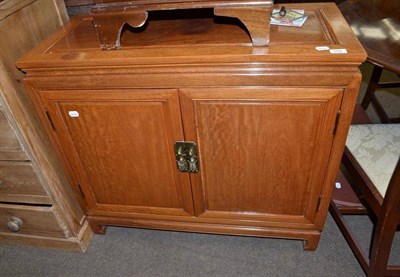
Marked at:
<point>268,123</point>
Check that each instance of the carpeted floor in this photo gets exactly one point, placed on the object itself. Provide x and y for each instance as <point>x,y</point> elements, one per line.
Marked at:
<point>135,252</point>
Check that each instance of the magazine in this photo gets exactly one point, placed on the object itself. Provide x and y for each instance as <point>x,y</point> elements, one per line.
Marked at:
<point>295,18</point>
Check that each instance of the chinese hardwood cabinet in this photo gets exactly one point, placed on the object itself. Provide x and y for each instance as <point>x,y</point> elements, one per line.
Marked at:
<point>190,127</point>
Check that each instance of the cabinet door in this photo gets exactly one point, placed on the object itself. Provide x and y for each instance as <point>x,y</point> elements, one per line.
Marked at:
<point>120,147</point>
<point>263,151</point>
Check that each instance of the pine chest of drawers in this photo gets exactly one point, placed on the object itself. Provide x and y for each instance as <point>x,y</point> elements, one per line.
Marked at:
<point>37,205</point>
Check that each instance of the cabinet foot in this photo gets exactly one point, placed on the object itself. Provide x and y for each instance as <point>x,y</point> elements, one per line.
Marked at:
<point>311,243</point>
<point>97,228</point>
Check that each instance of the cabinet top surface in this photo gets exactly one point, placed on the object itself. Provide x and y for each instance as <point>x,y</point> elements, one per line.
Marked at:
<point>175,38</point>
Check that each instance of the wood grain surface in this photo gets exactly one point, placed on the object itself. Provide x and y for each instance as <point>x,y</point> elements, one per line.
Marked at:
<point>377,26</point>
<point>326,26</point>
<point>250,139</point>
<point>19,183</point>
<point>10,147</point>
<point>265,120</point>
<point>35,220</point>
<point>122,143</point>
<point>34,179</point>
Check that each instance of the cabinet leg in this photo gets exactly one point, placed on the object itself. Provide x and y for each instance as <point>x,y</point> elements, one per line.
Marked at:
<point>311,243</point>
<point>97,228</point>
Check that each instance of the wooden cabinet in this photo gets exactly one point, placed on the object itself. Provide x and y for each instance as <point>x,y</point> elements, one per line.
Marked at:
<point>37,205</point>
<point>269,123</point>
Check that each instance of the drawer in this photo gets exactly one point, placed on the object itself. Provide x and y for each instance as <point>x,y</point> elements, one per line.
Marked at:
<point>30,220</point>
<point>10,148</point>
<point>19,183</point>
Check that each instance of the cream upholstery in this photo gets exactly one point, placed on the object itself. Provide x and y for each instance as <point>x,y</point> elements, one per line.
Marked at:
<point>376,148</point>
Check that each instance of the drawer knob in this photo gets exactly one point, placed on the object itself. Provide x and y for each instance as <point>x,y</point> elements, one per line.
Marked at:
<point>14,224</point>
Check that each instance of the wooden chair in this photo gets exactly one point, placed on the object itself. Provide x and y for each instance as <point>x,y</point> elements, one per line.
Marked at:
<point>377,26</point>
<point>373,170</point>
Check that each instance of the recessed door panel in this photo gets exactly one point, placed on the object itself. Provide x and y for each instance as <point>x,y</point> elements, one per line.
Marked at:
<point>263,152</point>
<point>121,148</point>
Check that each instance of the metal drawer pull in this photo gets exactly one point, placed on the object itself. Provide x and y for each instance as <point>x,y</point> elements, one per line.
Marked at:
<point>14,224</point>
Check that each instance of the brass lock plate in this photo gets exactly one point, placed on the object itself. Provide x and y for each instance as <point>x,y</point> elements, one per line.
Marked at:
<point>186,156</point>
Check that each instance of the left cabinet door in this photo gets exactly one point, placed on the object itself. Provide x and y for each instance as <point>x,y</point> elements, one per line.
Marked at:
<point>120,147</point>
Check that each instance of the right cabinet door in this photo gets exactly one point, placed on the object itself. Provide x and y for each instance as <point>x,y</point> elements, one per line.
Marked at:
<point>263,152</point>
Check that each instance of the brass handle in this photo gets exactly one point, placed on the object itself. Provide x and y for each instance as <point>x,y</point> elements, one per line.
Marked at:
<point>186,156</point>
<point>193,165</point>
<point>182,164</point>
<point>15,223</point>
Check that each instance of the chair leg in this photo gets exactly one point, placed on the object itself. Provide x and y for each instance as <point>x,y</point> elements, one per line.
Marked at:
<point>372,86</point>
<point>386,227</point>
<point>381,246</point>
<point>384,232</point>
<point>361,257</point>
<point>370,95</point>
